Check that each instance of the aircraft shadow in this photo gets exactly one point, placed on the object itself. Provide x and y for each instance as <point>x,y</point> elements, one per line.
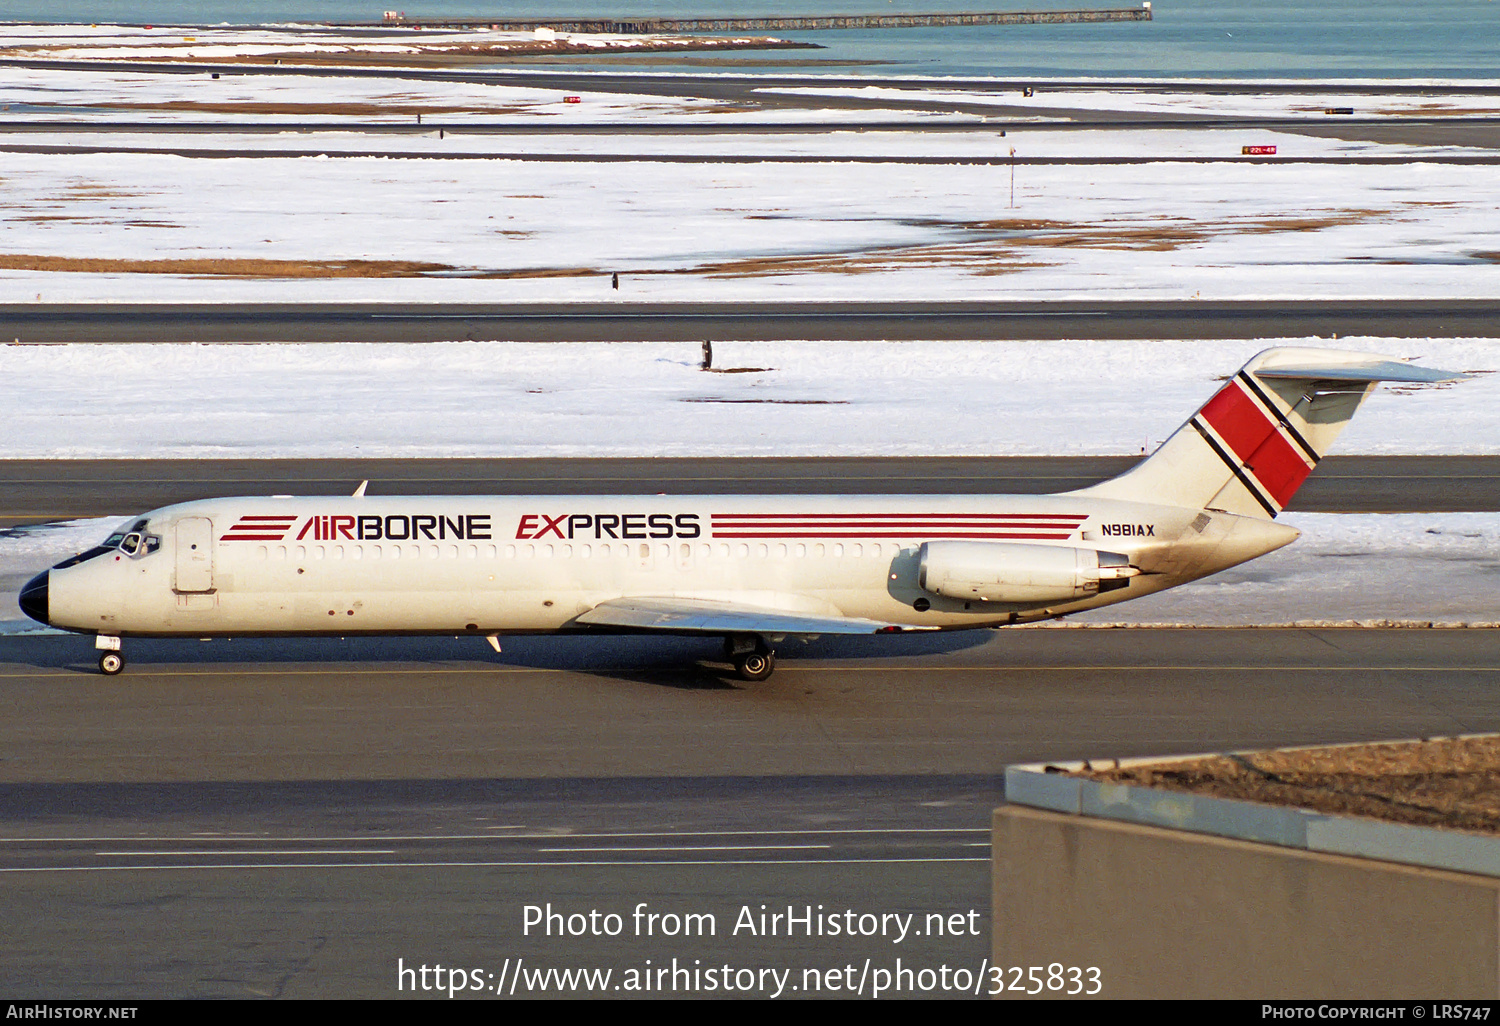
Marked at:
<point>678,662</point>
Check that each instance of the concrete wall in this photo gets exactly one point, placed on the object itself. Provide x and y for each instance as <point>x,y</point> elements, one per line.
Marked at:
<point>1169,914</point>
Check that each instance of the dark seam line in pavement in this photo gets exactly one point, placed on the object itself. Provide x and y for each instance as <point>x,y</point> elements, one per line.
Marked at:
<point>647,158</point>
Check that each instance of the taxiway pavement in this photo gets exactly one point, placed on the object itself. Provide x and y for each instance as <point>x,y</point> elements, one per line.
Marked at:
<point>46,323</point>
<point>270,819</point>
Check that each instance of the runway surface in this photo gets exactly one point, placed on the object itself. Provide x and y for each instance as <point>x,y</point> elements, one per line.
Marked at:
<point>587,707</point>
<point>254,818</point>
<point>45,323</point>
<point>42,491</point>
<point>716,158</point>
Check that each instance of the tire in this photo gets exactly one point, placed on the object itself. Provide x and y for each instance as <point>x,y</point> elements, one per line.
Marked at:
<point>111,663</point>
<point>755,666</point>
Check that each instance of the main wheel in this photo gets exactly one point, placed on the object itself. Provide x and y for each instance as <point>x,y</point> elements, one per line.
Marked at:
<point>755,665</point>
<point>111,663</point>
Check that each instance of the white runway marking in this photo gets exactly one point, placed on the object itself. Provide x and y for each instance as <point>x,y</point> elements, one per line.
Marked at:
<point>237,853</point>
<point>540,836</point>
<point>708,847</point>
<point>665,863</point>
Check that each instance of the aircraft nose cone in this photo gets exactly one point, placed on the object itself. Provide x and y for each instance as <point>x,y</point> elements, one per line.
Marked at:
<point>33,597</point>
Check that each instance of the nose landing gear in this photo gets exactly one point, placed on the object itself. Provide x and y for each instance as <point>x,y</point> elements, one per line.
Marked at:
<point>111,659</point>
<point>753,659</point>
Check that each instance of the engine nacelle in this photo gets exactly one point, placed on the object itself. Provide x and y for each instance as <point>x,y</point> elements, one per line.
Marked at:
<point>1017,572</point>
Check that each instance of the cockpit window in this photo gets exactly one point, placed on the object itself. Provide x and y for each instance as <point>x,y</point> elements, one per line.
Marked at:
<point>137,543</point>
<point>134,542</point>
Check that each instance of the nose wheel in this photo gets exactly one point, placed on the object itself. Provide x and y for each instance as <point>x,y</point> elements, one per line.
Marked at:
<point>111,659</point>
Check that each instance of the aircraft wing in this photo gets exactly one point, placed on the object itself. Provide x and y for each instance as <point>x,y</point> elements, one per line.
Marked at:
<point>709,616</point>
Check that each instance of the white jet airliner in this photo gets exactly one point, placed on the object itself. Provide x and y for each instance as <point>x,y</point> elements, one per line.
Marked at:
<point>750,569</point>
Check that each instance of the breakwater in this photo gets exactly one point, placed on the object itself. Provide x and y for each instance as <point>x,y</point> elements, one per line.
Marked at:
<point>641,26</point>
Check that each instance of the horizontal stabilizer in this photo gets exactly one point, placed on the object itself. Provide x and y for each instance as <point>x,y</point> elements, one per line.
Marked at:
<point>710,616</point>
<point>1373,370</point>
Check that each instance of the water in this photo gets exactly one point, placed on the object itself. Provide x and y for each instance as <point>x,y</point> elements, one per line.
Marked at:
<point>1195,38</point>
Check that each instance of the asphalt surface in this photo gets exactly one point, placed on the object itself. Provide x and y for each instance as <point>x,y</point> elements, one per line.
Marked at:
<point>41,491</point>
<point>626,321</point>
<point>255,818</point>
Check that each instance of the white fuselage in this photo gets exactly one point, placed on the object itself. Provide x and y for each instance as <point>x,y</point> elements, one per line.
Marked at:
<point>492,565</point>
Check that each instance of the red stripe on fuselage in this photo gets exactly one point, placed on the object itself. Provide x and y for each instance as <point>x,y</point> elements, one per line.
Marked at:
<point>904,516</point>
<point>1255,440</point>
<point>907,525</point>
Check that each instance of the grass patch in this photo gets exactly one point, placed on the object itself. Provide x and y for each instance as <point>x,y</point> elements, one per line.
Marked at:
<point>224,267</point>
<point>254,267</point>
<point>1006,245</point>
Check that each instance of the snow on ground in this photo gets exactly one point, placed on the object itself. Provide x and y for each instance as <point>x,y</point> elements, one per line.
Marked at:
<point>651,399</point>
<point>1165,98</point>
<point>530,231</point>
<point>523,231</point>
<point>1413,568</point>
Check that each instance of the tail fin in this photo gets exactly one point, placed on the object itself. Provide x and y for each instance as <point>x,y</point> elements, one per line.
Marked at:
<point>1253,444</point>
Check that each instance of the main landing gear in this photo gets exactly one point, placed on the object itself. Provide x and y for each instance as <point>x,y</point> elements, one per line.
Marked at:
<point>753,659</point>
<point>111,659</point>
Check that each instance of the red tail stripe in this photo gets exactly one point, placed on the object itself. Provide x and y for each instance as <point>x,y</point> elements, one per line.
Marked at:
<point>1279,468</point>
<point>1263,450</point>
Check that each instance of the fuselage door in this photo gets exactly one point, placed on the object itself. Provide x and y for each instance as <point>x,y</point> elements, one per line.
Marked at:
<point>195,554</point>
